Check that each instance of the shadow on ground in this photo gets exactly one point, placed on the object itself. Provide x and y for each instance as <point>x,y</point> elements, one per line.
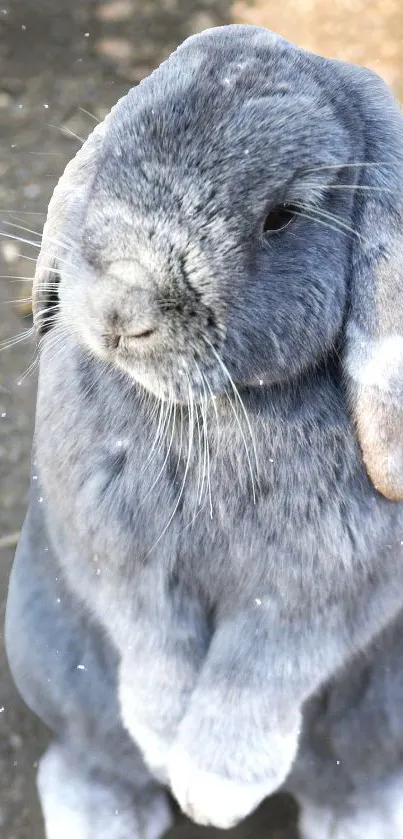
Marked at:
<point>63,64</point>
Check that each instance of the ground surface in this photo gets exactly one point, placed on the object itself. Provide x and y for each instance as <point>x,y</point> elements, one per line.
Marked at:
<point>57,56</point>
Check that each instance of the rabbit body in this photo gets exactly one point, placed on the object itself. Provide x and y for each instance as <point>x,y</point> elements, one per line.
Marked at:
<point>203,514</point>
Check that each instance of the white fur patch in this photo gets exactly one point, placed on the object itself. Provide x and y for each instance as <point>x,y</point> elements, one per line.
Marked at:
<point>209,799</point>
<point>375,363</point>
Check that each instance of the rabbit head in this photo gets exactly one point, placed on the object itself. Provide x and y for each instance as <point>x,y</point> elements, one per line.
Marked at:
<point>238,216</point>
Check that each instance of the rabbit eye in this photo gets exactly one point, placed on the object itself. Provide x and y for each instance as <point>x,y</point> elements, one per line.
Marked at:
<point>278,218</point>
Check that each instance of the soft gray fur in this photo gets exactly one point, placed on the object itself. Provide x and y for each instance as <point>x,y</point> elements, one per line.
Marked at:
<point>204,555</point>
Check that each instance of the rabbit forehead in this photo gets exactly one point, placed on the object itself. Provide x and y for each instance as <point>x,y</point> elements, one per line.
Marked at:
<point>220,71</point>
<point>249,113</point>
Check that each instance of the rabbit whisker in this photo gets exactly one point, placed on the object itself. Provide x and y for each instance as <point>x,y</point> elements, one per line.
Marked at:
<point>358,164</point>
<point>322,217</point>
<point>43,236</point>
<point>89,114</point>
<point>54,339</point>
<point>23,212</point>
<point>170,407</point>
<point>30,280</point>
<point>180,441</point>
<point>17,339</point>
<point>203,420</point>
<point>35,245</point>
<point>30,369</point>
<point>63,128</point>
<point>214,402</point>
<point>203,448</point>
<point>158,435</point>
<point>47,153</point>
<point>20,239</point>
<point>245,413</point>
<point>178,500</point>
<point>207,447</point>
<point>199,448</point>
<point>16,300</point>
<point>331,187</point>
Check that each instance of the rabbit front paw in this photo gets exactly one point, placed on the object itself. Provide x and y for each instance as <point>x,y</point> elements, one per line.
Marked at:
<point>215,795</point>
<point>210,799</point>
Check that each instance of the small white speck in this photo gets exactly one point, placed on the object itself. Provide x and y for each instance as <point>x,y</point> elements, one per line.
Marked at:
<point>271,460</point>
<point>34,477</point>
<point>258,601</point>
<point>116,812</point>
<point>401,542</point>
<point>46,551</point>
<point>13,145</point>
<point>86,34</point>
<point>4,414</point>
<point>20,106</point>
<point>95,558</point>
<point>18,384</point>
<point>129,646</point>
<point>246,151</point>
<point>98,572</point>
<point>119,443</point>
<point>337,762</point>
<point>45,105</point>
<point>58,600</point>
<point>261,382</point>
<point>2,709</point>
<point>23,27</point>
<point>32,190</point>
<point>40,499</point>
<point>81,667</point>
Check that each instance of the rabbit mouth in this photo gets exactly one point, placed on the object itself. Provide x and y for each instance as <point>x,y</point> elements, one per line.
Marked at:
<point>190,374</point>
<point>183,381</point>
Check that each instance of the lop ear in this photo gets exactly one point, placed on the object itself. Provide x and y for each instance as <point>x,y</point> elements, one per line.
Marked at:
<point>65,212</point>
<point>374,328</point>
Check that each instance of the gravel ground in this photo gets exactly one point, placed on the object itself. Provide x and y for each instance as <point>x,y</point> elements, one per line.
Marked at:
<point>61,61</point>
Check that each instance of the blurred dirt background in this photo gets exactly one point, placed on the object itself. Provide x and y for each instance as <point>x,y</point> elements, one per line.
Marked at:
<point>63,63</point>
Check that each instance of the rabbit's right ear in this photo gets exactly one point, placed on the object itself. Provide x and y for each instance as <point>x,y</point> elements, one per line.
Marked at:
<point>374,328</point>
<point>65,212</point>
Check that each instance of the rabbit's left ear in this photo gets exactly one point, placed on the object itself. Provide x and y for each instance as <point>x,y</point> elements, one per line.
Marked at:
<point>374,329</point>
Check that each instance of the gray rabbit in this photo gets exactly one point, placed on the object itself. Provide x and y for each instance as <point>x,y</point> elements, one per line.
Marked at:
<point>208,590</point>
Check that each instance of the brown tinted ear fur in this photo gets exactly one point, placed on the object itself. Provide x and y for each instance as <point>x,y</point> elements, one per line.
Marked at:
<point>374,331</point>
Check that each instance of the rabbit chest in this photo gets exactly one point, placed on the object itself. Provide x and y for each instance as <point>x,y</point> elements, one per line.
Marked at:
<point>232,503</point>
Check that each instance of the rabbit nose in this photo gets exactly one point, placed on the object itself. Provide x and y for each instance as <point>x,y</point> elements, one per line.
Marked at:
<point>114,338</point>
<point>118,329</point>
<point>127,299</point>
